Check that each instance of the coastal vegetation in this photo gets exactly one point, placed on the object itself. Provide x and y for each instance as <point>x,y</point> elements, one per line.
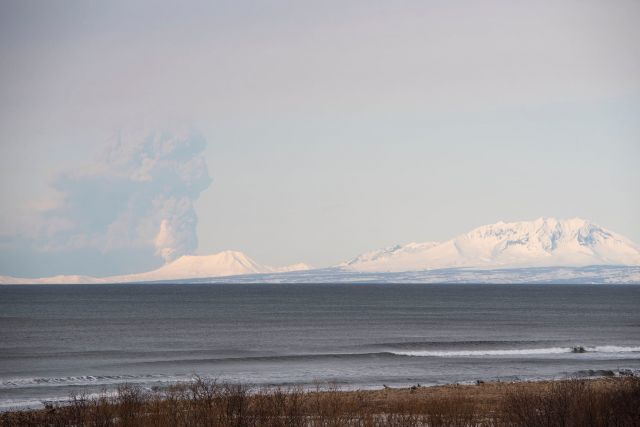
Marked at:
<point>568,403</point>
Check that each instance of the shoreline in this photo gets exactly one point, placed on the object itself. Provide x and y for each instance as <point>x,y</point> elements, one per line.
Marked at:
<point>96,391</point>
<point>496,400</point>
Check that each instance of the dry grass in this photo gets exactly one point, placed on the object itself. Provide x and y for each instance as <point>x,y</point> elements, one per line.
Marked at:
<point>602,402</point>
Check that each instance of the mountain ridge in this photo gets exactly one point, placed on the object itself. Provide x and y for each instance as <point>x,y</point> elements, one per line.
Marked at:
<point>544,242</point>
<point>225,263</point>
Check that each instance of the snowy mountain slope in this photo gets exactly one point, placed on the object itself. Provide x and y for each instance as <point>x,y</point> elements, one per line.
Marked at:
<point>227,263</point>
<point>547,250</point>
<point>54,280</point>
<point>544,242</point>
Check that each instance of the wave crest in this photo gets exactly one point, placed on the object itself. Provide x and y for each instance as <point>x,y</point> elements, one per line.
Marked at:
<point>514,352</point>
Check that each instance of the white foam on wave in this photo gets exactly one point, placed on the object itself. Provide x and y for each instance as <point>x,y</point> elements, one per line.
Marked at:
<point>37,403</point>
<point>514,352</point>
<point>84,380</point>
<point>614,349</point>
<point>465,353</point>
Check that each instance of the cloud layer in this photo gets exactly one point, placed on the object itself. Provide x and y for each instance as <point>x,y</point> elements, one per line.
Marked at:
<point>136,197</point>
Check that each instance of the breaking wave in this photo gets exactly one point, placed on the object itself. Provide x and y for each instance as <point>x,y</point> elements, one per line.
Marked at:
<point>604,351</point>
<point>516,352</point>
<point>83,380</point>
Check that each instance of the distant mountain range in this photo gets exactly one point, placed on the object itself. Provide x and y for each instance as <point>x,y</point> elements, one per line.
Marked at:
<point>546,249</point>
<point>226,263</point>
<point>545,242</point>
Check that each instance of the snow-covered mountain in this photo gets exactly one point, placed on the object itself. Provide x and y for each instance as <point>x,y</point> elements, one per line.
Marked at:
<point>544,250</point>
<point>227,263</point>
<point>53,280</point>
<point>545,242</point>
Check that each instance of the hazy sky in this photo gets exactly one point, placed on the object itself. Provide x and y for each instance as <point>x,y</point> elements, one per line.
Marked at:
<point>331,128</point>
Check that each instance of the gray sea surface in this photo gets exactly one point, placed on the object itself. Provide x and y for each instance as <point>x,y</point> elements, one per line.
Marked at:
<point>59,339</point>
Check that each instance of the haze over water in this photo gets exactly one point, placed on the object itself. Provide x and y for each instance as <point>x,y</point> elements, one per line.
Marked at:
<point>55,340</point>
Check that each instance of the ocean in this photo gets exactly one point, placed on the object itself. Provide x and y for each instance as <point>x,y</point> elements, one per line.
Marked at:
<point>61,339</point>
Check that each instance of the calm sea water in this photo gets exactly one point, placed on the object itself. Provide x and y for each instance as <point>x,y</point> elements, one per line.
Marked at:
<point>55,340</point>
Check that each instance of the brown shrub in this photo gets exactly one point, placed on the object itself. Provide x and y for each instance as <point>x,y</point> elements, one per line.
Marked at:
<point>575,403</point>
<point>605,402</point>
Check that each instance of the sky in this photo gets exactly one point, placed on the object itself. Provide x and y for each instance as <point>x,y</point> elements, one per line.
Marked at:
<point>133,132</point>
